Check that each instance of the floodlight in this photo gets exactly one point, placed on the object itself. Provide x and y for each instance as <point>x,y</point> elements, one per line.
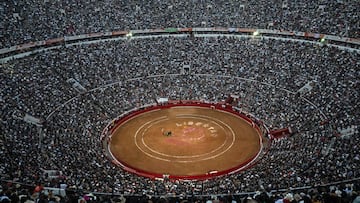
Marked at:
<point>129,35</point>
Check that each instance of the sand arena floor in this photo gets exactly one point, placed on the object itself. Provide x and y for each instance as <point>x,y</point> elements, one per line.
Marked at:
<point>184,141</point>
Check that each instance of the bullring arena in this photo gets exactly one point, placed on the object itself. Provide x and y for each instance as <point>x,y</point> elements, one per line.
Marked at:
<point>184,140</point>
<point>181,101</point>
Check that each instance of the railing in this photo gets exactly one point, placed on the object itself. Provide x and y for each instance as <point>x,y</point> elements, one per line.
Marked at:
<point>62,192</point>
<point>8,53</point>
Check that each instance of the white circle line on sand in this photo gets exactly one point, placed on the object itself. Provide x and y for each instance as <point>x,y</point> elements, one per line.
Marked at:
<point>187,161</point>
<point>137,145</point>
<point>184,157</point>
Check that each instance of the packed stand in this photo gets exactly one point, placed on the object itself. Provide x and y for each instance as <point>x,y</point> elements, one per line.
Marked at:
<point>29,21</point>
<point>120,76</point>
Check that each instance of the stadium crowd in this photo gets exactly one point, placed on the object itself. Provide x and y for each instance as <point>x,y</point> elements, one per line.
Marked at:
<point>319,163</point>
<point>117,76</point>
<point>29,21</point>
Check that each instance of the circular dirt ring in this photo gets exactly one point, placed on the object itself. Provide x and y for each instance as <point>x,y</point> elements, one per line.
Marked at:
<point>192,141</point>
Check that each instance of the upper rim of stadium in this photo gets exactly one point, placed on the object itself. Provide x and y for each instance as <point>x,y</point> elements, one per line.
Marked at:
<point>30,21</point>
